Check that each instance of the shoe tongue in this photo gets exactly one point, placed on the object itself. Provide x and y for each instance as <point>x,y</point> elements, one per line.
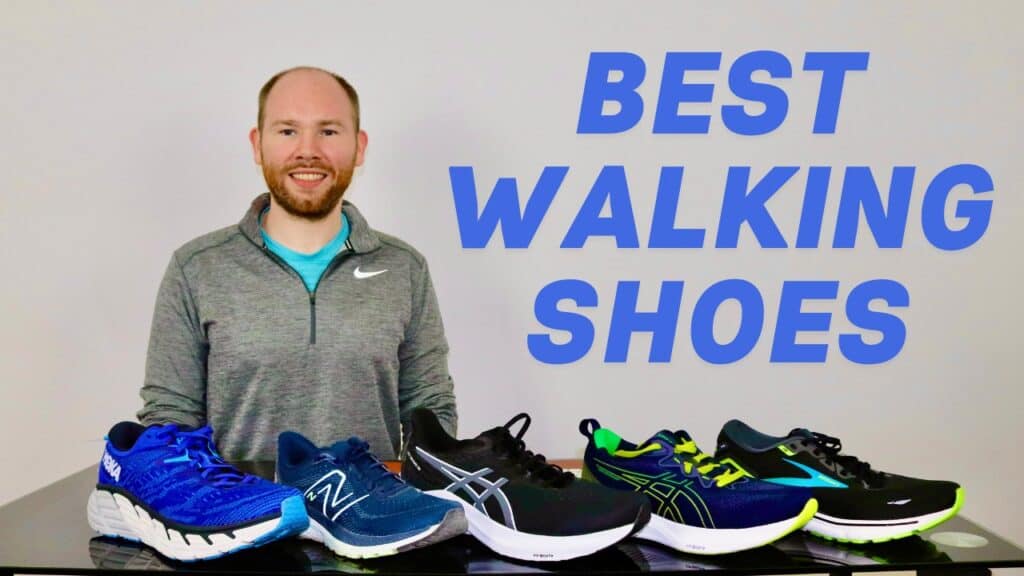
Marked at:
<point>155,435</point>
<point>800,433</point>
<point>492,437</point>
<point>345,449</point>
<point>666,438</point>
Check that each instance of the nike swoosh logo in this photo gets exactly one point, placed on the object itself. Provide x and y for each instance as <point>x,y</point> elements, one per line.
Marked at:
<point>898,502</point>
<point>814,479</point>
<point>359,274</point>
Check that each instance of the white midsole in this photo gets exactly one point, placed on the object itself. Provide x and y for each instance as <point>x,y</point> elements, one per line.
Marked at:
<point>838,528</point>
<point>536,547</point>
<point>112,514</point>
<point>318,533</point>
<point>697,540</point>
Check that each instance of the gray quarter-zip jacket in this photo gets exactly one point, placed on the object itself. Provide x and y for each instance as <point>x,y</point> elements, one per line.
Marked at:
<point>238,342</point>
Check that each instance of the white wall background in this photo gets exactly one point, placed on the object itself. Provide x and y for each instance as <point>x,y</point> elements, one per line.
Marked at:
<point>124,135</point>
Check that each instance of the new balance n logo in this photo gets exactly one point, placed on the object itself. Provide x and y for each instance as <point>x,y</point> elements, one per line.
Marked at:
<point>329,487</point>
<point>467,483</point>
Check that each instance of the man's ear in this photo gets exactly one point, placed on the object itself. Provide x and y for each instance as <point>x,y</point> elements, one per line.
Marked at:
<point>361,140</point>
<point>254,139</point>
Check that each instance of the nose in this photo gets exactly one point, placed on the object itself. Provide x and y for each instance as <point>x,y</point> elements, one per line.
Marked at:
<point>307,147</point>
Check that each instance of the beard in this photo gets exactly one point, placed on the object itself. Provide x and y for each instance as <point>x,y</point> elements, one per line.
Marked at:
<point>315,207</point>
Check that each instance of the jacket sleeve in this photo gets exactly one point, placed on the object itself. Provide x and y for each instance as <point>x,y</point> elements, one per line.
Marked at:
<point>423,378</point>
<point>174,389</point>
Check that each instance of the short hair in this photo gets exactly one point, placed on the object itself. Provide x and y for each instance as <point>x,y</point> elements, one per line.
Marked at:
<point>353,96</point>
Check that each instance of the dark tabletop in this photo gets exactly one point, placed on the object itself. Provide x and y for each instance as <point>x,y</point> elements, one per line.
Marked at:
<point>47,532</point>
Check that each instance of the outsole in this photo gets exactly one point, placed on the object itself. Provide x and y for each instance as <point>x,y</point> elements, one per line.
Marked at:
<point>945,515</point>
<point>115,515</point>
<point>714,541</point>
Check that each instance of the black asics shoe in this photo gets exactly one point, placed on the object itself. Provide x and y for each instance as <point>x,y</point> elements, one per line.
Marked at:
<point>855,503</point>
<point>517,504</point>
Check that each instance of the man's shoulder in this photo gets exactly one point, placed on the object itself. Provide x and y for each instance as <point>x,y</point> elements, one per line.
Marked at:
<point>208,244</point>
<point>400,248</point>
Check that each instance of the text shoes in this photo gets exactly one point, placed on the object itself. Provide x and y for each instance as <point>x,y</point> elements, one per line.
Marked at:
<point>169,489</point>
<point>699,506</point>
<point>856,503</point>
<point>356,506</point>
<point>517,504</point>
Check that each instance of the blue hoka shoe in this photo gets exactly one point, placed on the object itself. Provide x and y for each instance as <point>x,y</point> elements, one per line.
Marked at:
<point>356,506</point>
<point>701,506</point>
<point>169,488</point>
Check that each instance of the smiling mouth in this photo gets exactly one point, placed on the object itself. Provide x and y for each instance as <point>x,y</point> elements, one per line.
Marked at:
<point>308,179</point>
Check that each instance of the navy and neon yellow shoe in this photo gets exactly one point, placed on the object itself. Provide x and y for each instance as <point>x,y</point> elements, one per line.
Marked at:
<point>171,490</point>
<point>699,506</point>
<point>855,502</point>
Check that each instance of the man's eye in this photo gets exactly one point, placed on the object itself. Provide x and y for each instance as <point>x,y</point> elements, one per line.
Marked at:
<point>286,132</point>
<point>329,132</point>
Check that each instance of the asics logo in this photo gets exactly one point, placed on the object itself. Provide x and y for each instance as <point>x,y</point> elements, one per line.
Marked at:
<point>669,493</point>
<point>814,478</point>
<point>111,466</point>
<point>329,486</point>
<point>464,482</point>
<point>360,275</point>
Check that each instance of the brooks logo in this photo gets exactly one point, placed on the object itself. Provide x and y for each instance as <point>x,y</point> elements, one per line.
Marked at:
<point>329,487</point>
<point>814,478</point>
<point>464,482</point>
<point>111,466</point>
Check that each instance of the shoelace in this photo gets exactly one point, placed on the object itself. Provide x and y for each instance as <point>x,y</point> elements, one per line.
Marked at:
<point>197,449</point>
<point>830,447</point>
<point>722,475</point>
<point>536,466</point>
<point>375,472</point>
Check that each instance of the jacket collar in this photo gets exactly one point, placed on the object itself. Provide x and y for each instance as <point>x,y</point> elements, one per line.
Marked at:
<point>361,237</point>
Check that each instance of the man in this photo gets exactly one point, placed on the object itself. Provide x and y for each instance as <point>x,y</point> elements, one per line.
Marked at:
<point>301,317</point>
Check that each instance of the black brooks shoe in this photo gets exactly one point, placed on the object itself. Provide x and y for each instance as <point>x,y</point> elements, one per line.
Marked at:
<point>855,502</point>
<point>517,503</point>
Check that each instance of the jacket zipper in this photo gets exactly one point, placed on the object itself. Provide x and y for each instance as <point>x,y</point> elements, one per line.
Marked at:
<point>334,263</point>
<point>312,295</point>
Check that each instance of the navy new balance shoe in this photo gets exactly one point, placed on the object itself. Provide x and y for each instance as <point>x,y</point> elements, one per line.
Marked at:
<point>169,489</point>
<point>357,507</point>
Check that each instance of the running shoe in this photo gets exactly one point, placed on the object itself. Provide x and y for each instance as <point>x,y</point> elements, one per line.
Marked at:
<point>170,489</point>
<point>700,507</point>
<point>518,504</point>
<point>356,506</point>
<point>856,503</point>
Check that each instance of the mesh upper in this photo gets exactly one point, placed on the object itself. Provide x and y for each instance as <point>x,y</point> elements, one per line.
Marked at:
<point>177,490</point>
<point>387,508</point>
<point>688,498</point>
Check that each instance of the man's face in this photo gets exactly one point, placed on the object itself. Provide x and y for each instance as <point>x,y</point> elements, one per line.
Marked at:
<point>308,147</point>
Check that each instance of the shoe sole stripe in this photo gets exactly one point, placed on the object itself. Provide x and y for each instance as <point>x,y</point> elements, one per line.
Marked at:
<point>864,531</point>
